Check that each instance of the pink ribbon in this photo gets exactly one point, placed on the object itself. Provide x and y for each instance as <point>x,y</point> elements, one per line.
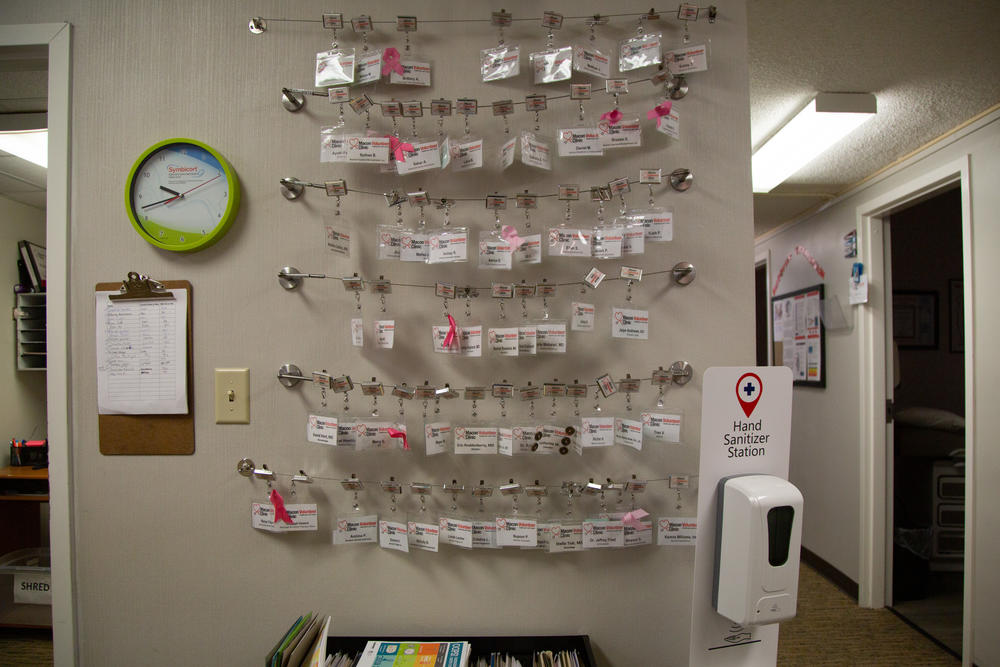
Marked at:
<point>395,433</point>
<point>612,116</point>
<point>280,513</point>
<point>633,518</point>
<point>399,149</point>
<point>390,61</point>
<point>510,234</point>
<point>659,110</point>
<point>450,338</point>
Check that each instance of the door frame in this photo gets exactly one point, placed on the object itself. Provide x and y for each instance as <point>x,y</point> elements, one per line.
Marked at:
<point>875,537</point>
<point>764,257</point>
<point>56,37</point>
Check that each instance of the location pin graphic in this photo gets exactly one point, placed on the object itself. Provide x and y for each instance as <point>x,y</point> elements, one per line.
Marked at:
<point>748,390</point>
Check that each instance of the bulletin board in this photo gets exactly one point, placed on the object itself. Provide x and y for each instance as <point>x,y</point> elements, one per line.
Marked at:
<point>799,335</point>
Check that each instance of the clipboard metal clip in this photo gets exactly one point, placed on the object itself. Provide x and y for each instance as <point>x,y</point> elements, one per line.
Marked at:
<point>137,286</point>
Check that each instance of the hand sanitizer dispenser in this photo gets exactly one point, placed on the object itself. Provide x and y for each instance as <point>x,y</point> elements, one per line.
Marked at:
<point>758,536</point>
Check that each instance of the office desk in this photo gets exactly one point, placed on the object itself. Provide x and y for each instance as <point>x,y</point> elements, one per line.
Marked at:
<point>22,492</point>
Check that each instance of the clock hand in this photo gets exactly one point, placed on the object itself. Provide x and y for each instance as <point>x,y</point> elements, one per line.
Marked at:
<point>180,194</point>
<point>173,192</point>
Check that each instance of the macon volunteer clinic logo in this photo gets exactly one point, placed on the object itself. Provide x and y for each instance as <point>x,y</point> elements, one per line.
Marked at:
<point>749,389</point>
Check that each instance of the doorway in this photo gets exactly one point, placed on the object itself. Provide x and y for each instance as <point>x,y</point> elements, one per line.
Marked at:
<point>925,371</point>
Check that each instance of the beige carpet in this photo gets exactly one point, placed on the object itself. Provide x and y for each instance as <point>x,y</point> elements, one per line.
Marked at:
<point>830,629</point>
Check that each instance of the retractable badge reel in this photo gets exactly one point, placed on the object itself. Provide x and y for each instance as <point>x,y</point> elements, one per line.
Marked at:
<point>413,242</point>
<point>504,60</point>
<point>607,238</point>
<point>496,249</point>
<point>467,152</point>
<point>389,236</point>
<point>567,239</point>
<point>555,63</point>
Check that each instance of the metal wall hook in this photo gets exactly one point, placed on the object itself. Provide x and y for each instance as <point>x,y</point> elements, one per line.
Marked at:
<point>245,467</point>
<point>257,25</point>
<point>292,100</point>
<point>683,273</point>
<point>291,188</point>
<point>681,372</point>
<point>290,375</point>
<point>681,179</point>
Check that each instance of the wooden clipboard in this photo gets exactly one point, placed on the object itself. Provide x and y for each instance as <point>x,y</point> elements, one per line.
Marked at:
<point>152,434</point>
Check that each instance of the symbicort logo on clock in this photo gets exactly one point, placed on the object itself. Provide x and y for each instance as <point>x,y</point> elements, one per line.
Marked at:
<point>749,389</point>
<point>178,170</point>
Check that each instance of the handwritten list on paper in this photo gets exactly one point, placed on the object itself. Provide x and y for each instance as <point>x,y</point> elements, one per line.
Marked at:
<point>142,355</point>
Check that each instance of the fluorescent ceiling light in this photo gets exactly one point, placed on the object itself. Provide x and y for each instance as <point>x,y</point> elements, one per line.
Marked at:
<point>828,118</point>
<point>30,145</point>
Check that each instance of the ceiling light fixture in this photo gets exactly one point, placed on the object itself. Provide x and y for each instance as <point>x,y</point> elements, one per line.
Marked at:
<point>828,118</point>
<point>30,145</point>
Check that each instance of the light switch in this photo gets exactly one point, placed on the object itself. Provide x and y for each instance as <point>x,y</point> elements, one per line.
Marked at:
<point>232,395</point>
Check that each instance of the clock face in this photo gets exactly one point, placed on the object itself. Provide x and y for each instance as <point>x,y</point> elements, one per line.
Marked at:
<point>182,195</point>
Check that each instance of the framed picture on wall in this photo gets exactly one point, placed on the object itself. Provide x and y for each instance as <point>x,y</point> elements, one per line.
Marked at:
<point>956,315</point>
<point>915,319</point>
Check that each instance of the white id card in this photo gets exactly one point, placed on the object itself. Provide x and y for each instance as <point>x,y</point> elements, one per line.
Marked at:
<point>303,517</point>
<point>322,430</point>
<point>437,437</point>
<point>566,538</point>
<point>347,435</point>
<point>447,246</point>
<point>393,535</point>
<point>591,61</point>
<point>368,150</point>
<point>423,536</point>
<point>570,242</point>
<point>551,338</point>
<point>662,427</point>
<point>603,534</point>
<point>476,439</point>
<point>597,431</point>
<point>385,334</point>
<point>415,73</point>
<point>338,241</point>
<point>369,67</point>
<point>413,246</point>
<point>628,432</point>
<point>535,152</point>
<point>687,59</point>
<point>484,534</point>
<point>427,155</point>
<point>579,141</point>
<point>626,133</point>
<point>504,341</point>
<point>552,65</point>
<point>456,532</point>
<point>467,155</point>
<point>630,324</point>
<point>677,531</point>
<point>494,252</point>
<point>583,316</point>
<point>356,530</point>
<point>516,532</point>
<point>507,150</point>
<point>606,242</point>
<point>530,250</point>
<point>527,340</point>
<point>357,332</point>
<point>669,125</point>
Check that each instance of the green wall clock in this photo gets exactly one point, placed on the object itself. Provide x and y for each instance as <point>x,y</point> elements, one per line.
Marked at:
<point>182,195</point>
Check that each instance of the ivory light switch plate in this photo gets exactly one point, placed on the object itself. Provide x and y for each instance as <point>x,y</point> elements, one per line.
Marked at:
<point>232,395</point>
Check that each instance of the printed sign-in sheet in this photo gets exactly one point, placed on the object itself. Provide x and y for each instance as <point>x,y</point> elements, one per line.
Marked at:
<point>142,355</point>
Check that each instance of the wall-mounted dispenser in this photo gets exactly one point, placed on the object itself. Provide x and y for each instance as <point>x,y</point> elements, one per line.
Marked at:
<point>758,537</point>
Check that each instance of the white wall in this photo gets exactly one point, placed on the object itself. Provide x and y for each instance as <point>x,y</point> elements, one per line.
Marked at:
<point>22,394</point>
<point>825,450</point>
<point>167,566</point>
